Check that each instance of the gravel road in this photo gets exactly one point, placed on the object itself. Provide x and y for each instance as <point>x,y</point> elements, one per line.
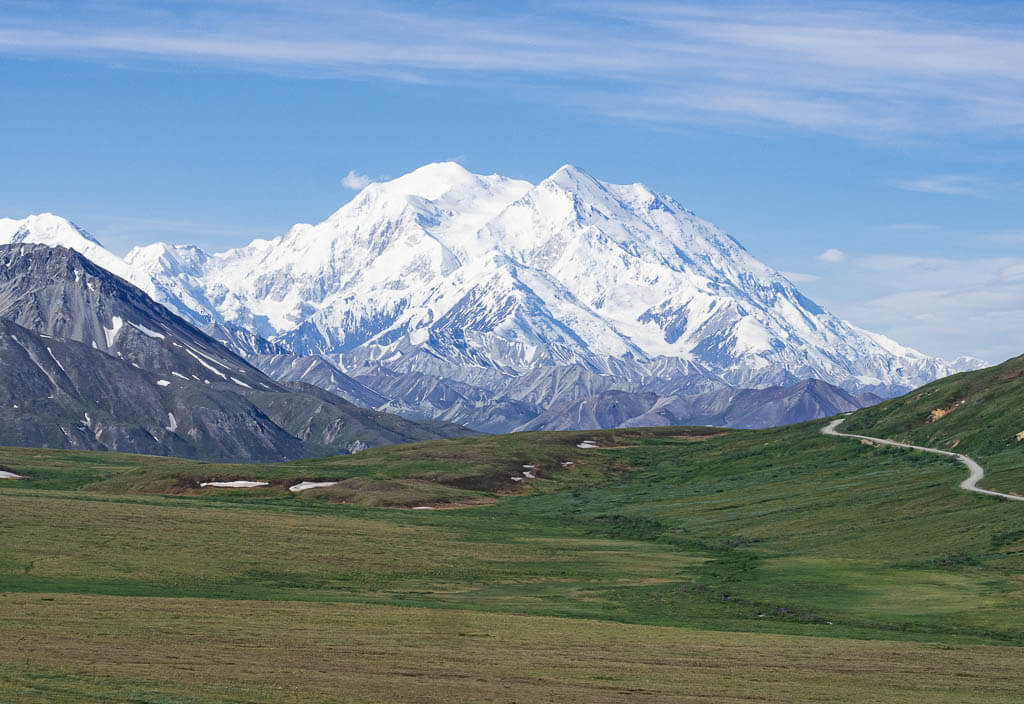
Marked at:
<point>969,484</point>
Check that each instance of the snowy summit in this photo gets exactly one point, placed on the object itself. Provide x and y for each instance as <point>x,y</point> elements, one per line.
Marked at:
<point>442,269</point>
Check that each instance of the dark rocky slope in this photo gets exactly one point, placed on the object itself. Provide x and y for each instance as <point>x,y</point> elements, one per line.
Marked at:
<point>89,361</point>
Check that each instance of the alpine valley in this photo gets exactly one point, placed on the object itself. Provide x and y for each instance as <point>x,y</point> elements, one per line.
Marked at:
<point>487,301</point>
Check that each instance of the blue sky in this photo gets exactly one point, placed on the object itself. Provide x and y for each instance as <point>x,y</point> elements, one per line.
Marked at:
<point>874,151</point>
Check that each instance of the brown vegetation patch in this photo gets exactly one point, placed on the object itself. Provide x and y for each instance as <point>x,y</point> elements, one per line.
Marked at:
<point>1015,374</point>
<point>469,503</point>
<point>697,438</point>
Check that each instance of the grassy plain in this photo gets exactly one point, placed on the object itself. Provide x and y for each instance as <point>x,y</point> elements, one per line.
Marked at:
<point>198,650</point>
<point>675,564</point>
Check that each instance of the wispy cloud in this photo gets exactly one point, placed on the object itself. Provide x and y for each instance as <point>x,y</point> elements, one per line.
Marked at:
<point>1010,239</point>
<point>356,181</point>
<point>833,256</point>
<point>941,305</point>
<point>907,227</point>
<point>954,185</point>
<point>862,70</point>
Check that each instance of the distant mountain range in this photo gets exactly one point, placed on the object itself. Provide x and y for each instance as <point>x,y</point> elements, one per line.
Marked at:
<point>91,362</point>
<point>488,301</point>
<point>732,408</point>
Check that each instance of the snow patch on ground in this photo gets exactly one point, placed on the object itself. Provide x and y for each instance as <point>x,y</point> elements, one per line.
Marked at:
<point>213,360</point>
<point>302,486</point>
<point>162,382</point>
<point>180,375</point>
<point>238,484</point>
<point>56,360</point>
<point>9,475</point>
<point>198,359</point>
<point>111,332</point>
<point>147,332</point>
<point>240,382</point>
<point>172,423</point>
<point>589,445</point>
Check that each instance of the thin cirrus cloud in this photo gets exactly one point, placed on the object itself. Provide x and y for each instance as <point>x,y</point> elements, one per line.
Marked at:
<point>951,185</point>
<point>943,302</point>
<point>864,70</point>
<point>833,256</point>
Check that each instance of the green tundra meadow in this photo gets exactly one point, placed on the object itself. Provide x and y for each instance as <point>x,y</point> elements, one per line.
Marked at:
<point>665,565</point>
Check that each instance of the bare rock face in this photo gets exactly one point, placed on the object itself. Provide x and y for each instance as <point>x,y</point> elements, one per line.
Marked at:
<point>91,362</point>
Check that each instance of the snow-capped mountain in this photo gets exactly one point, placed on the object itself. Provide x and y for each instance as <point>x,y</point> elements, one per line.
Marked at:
<point>483,279</point>
<point>54,231</point>
<point>89,361</point>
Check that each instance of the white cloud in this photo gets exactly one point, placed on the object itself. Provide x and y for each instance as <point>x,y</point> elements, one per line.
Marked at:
<point>864,69</point>
<point>356,181</point>
<point>833,256</point>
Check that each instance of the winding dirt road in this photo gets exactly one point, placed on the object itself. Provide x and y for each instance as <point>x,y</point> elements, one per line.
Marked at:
<point>969,484</point>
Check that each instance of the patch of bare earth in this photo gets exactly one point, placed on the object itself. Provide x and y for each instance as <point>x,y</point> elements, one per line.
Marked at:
<point>470,503</point>
<point>943,412</point>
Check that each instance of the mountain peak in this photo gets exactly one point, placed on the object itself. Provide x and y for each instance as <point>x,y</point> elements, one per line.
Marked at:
<point>515,276</point>
<point>43,226</point>
<point>570,169</point>
<point>568,175</point>
<point>56,231</point>
<point>430,181</point>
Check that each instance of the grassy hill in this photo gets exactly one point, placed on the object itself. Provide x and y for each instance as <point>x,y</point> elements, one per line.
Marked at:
<point>978,413</point>
<point>669,564</point>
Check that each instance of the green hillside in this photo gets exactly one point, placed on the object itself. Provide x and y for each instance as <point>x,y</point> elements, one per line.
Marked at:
<point>676,564</point>
<point>978,413</point>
